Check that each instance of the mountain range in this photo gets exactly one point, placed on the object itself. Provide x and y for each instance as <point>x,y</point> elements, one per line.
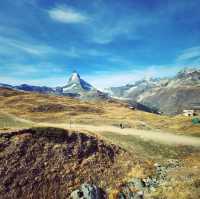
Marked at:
<point>166,95</point>
<point>75,87</point>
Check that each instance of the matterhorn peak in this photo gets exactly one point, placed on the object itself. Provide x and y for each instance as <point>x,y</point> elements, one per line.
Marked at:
<point>75,78</point>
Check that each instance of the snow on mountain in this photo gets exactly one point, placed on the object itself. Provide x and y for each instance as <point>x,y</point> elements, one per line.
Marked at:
<point>132,90</point>
<point>75,87</point>
<point>168,95</point>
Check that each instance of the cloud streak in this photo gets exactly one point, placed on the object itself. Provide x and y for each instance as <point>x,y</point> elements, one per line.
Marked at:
<point>189,54</point>
<point>67,15</point>
<point>11,47</point>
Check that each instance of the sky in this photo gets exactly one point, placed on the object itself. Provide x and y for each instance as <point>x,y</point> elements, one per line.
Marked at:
<point>109,42</point>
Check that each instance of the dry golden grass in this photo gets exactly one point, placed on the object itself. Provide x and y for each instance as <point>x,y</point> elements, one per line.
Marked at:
<point>58,109</point>
<point>183,182</point>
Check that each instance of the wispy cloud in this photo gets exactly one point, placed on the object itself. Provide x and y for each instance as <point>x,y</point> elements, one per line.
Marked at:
<point>51,74</point>
<point>26,46</point>
<point>189,54</point>
<point>10,46</point>
<point>67,15</point>
<point>105,33</point>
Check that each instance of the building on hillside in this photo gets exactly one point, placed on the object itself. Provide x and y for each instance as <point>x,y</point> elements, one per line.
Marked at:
<point>132,107</point>
<point>188,113</point>
<point>193,110</point>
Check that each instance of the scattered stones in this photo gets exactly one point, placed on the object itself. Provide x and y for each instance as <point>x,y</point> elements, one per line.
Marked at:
<point>134,189</point>
<point>87,191</point>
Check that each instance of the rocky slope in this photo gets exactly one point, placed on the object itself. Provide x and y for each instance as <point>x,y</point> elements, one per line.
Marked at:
<point>167,95</point>
<point>80,88</point>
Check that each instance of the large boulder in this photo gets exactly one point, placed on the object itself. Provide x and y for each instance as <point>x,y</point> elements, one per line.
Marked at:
<point>87,191</point>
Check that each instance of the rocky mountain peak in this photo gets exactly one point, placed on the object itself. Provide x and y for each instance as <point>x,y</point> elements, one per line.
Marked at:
<point>74,78</point>
<point>77,85</point>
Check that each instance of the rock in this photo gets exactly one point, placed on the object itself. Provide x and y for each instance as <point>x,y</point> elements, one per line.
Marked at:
<point>173,163</point>
<point>156,165</point>
<point>151,182</point>
<point>131,195</point>
<point>87,191</point>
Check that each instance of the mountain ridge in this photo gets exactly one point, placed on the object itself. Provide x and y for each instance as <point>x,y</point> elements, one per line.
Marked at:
<point>75,87</point>
<point>167,95</point>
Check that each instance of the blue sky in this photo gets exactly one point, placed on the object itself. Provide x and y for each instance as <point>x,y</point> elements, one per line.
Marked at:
<point>108,42</point>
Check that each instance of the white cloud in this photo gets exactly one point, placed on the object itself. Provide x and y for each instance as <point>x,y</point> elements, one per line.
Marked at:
<point>67,15</point>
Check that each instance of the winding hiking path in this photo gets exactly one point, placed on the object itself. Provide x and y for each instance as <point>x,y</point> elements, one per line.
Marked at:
<point>156,136</point>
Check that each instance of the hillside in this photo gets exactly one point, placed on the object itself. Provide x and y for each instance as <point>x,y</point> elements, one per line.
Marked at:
<point>51,163</point>
<point>38,108</point>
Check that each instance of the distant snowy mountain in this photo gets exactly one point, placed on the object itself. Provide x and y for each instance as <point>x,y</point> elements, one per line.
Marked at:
<point>132,90</point>
<point>168,95</point>
<point>6,85</point>
<point>39,89</point>
<point>75,87</point>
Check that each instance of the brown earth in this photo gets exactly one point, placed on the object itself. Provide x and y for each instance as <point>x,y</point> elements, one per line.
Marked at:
<point>50,163</point>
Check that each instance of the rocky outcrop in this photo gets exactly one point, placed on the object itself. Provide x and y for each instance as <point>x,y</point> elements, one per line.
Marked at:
<point>87,191</point>
<point>136,188</point>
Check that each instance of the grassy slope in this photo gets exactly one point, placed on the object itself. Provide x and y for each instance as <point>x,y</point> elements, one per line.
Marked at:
<point>9,122</point>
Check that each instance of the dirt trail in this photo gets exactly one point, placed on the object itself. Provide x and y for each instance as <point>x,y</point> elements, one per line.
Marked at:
<point>157,136</point>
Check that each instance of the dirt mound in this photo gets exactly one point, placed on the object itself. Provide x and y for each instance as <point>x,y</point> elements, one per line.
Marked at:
<point>50,162</point>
